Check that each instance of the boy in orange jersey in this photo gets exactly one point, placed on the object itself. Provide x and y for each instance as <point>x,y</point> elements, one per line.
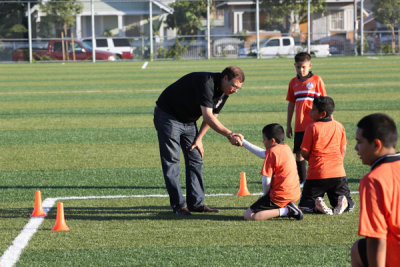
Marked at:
<point>376,138</point>
<point>280,182</point>
<point>324,146</point>
<point>302,90</point>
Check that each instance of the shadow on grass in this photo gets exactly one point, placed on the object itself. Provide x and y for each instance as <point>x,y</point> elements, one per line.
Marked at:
<point>16,213</point>
<point>121,213</point>
<point>138,213</point>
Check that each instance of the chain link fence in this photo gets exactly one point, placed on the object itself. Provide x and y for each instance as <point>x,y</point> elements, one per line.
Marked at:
<point>137,30</point>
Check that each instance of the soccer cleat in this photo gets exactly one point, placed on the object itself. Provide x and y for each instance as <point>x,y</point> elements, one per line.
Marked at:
<point>341,205</point>
<point>322,207</point>
<point>294,211</point>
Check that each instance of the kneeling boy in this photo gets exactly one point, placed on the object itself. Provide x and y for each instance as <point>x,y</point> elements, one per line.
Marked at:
<point>281,185</point>
<point>324,146</point>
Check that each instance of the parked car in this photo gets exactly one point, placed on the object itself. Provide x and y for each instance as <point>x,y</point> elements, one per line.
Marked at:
<point>54,51</point>
<point>119,46</point>
<point>284,46</point>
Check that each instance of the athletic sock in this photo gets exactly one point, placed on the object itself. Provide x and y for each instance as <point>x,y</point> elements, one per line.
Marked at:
<point>283,212</point>
<point>301,170</point>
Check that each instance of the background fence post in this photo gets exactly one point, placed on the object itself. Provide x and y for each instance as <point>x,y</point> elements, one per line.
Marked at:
<point>29,32</point>
<point>208,30</point>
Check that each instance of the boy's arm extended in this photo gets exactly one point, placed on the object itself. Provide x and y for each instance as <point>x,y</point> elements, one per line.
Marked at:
<point>376,248</point>
<point>266,184</point>
<point>259,152</point>
<point>290,111</point>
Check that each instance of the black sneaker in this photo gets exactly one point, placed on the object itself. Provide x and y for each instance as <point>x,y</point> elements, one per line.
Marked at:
<point>183,211</point>
<point>294,211</point>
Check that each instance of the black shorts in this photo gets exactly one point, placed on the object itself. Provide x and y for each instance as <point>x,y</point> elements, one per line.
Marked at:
<point>263,203</point>
<point>298,139</point>
<point>334,187</point>
<point>362,251</point>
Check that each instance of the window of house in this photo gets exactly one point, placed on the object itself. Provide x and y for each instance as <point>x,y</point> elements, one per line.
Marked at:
<point>218,13</point>
<point>337,20</point>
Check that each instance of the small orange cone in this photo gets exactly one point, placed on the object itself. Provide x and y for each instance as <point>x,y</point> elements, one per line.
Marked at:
<point>60,221</point>
<point>38,210</point>
<point>243,191</point>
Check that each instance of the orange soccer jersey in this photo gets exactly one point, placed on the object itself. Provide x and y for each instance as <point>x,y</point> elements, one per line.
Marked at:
<point>326,141</point>
<point>280,165</point>
<point>380,205</point>
<point>302,92</point>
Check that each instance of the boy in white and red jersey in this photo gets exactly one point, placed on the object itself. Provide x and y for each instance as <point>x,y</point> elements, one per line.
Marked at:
<point>376,138</point>
<point>302,90</point>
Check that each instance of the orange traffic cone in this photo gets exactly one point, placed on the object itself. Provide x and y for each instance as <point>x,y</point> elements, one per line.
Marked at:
<point>60,221</point>
<point>243,191</point>
<point>38,210</point>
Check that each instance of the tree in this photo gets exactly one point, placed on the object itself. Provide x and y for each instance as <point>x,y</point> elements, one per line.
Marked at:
<point>13,21</point>
<point>292,11</point>
<point>186,19</point>
<point>388,12</point>
<point>187,16</point>
<point>61,13</point>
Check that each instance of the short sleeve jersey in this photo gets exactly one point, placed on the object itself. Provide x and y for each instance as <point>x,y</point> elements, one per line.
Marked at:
<point>380,205</point>
<point>280,165</point>
<point>183,98</point>
<point>302,93</point>
<point>325,140</point>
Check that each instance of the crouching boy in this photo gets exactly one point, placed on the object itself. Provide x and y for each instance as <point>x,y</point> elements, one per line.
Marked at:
<point>280,180</point>
<point>324,146</point>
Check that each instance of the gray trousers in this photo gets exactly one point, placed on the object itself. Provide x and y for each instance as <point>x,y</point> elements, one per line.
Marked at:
<point>174,137</point>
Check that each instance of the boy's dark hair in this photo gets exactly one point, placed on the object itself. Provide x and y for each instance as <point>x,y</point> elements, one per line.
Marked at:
<point>274,130</point>
<point>233,72</point>
<point>302,57</point>
<point>324,103</point>
<point>379,126</point>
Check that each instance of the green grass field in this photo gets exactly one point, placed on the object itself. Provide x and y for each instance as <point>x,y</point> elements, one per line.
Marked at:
<point>84,129</point>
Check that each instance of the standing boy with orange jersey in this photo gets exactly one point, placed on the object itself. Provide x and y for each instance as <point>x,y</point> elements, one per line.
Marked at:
<point>280,182</point>
<point>302,90</point>
<point>324,146</point>
<point>376,138</point>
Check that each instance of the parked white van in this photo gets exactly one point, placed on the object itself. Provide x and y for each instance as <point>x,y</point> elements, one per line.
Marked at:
<point>119,46</point>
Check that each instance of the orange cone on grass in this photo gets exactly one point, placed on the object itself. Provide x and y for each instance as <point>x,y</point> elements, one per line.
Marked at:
<point>60,220</point>
<point>243,191</point>
<point>38,209</point>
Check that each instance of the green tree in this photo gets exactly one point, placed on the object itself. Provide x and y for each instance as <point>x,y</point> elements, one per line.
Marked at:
<point>388,12</point>
<point>292,11</point>
<point>13,21</point>
<point>186,19</point>
<point>60,13</point>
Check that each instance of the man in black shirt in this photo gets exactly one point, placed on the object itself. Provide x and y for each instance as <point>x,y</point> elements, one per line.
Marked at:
<point>177,109</point>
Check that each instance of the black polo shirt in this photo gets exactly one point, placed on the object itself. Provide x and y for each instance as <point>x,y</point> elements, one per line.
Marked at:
<point>183,98</point>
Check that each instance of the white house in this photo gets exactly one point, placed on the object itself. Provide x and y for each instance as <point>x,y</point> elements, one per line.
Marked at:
<point>120,18</point>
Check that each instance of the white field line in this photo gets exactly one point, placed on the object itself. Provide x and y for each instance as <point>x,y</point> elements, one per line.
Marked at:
<point>11,256</point>
<point>159,90</point>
